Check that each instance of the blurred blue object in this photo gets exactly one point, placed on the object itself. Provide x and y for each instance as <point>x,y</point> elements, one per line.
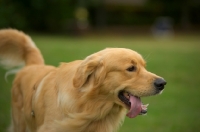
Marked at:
<point>163,28</point>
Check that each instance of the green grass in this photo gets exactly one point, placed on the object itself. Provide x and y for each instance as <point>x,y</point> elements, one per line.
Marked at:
<point>177,60</point>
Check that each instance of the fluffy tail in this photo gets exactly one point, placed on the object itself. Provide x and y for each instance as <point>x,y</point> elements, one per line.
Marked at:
<point>17,48</point>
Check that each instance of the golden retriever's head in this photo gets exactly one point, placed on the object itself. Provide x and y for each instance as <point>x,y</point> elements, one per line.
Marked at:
<point>119,74</point>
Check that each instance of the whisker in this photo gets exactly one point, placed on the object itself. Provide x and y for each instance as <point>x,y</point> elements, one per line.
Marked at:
<point>147,57</point>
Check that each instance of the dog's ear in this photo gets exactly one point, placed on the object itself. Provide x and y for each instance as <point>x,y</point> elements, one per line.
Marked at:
<point>91,67</point>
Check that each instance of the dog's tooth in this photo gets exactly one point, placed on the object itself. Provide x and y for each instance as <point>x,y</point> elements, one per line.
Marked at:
<point>144,107</point>
<point>126,94</point>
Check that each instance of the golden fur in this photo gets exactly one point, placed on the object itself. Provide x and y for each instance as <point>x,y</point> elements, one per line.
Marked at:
<point>79,96</point>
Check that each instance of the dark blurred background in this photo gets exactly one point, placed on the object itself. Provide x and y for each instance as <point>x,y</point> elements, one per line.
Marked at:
<point>86,16</point>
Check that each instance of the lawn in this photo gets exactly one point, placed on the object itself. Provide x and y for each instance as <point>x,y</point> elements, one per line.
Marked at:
<point>177,109</point>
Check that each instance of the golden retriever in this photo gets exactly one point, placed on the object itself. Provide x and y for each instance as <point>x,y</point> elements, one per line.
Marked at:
<point>90,95</point>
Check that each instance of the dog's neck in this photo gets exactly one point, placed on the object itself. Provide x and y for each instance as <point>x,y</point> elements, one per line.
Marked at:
<point>110,122</point>
<point>94,116</point>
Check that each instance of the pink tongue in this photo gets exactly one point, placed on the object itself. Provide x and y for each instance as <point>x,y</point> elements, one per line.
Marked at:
<point>135,107</point>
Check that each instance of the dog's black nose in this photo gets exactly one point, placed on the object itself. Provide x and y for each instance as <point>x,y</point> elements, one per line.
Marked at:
<point>160,84</point>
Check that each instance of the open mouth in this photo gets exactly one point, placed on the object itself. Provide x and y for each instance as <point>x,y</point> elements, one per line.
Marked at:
<point>133,103</point>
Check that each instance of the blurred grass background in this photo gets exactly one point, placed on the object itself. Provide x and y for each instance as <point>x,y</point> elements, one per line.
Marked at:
<point>176,59</point>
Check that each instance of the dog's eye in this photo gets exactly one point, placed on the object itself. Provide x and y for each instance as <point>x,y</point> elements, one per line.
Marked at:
<point>131,69</point>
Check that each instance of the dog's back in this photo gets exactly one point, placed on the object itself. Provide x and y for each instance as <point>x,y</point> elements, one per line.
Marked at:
<point>18,49</point>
